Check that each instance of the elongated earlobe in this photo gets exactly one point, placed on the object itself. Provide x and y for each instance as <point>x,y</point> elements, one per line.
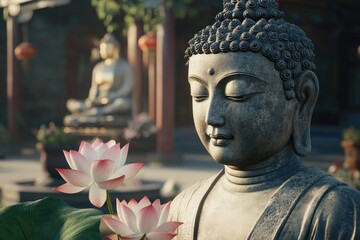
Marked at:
<point>306,90</point>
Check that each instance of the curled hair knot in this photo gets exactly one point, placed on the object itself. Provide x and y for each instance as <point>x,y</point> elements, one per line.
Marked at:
<point>255,46</point>
<point>224,46</point>
<point>244,46</point>
<point>234,46</point>
<point>214,47</point>
<point>285,74</point>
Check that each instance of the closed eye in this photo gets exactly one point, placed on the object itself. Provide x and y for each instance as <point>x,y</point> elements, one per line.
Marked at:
<point>199,98</point>
<point>243,97</point>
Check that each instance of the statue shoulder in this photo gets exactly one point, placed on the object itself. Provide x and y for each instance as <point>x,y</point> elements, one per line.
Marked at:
<point>325,209</point>
<point>338,214</point>
<point>123,63</point>
<point>123,68</point>
<point>99,65</point>
<point>340,200</point>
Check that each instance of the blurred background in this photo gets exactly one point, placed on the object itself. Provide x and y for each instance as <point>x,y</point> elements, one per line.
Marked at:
<point>62,40</point>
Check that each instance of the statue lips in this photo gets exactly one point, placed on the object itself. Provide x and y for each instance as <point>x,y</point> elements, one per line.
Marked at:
<point>220,139</point>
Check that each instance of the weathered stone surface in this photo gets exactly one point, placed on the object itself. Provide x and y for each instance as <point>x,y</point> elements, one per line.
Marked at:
<point>254,91</point>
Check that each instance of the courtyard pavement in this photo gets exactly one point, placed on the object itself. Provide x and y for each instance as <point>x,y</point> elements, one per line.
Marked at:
<point>195,163</point>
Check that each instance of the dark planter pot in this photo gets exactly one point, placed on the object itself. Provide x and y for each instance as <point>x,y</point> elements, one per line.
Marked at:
<point>51,158</point>
<point>2,150</point>
<point>352,154</point>
<point>143,145</point>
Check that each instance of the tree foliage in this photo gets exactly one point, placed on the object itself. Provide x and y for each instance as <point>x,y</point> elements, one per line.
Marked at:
<point>147,12</point>
<point>131,10</point>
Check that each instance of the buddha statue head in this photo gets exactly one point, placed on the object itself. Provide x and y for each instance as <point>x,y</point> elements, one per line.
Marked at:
<point>252,82</point>
<point>109,47</point>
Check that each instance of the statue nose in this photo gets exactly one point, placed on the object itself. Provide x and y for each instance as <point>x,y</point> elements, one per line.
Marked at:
<point>215,113</point>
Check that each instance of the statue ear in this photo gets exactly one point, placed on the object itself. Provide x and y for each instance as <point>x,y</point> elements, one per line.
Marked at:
<point>306,92</point>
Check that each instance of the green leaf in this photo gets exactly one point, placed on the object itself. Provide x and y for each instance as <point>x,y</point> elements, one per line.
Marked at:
<point>49,218</point>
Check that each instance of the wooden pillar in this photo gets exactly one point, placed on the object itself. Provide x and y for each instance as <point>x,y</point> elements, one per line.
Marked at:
<point>165,85</point>
<point>135,60</point>
<point>152,84</point>
<point>13,85</point>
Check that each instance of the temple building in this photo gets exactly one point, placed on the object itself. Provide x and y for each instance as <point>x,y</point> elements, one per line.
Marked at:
<point>65,38</point>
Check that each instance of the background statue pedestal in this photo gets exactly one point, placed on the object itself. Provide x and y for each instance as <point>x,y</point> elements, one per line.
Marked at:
<point>88,133</point>
<point>137,145</point>
<point>76,121</point>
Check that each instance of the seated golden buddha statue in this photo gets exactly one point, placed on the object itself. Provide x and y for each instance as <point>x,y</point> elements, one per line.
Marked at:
<point>109,102</point>
<point>254,89</point>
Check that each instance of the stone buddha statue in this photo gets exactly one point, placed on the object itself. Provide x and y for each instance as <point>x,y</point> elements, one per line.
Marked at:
<point>253,91</point>
<point>109,102</point>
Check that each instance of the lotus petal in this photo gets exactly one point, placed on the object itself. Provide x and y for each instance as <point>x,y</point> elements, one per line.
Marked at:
<point>133,204</point>
<point>97,196</point>
<point>68,188</point>
<point>144,202</point>
<point>167,227</point>
<point>113,153</point>
<point>69,160</point>
<point>123,155</point>
<point>100,149</point>
<point>159,236</point>
<point>164,212</point>
<point>80,162</point>
<point>82,145</point>
<point>131,238</point>
<point>157,205</point>
<point>127,216</point>
<point>111,184</point>
<point>96,142</point>
<point>110,143</point>
<point>129,170</point>
<point>117,226</point>
<point>112,237</point>
<point>102,169</point>
<point>147,219</point>
<point>75,177</point>
<point>87,151</point>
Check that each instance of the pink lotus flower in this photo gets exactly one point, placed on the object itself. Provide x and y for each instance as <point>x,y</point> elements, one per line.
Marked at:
<point>141,220</point>
<point>99,166</point>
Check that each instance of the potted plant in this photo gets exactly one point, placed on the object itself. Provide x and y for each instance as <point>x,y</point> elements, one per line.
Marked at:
<point>351,146</point>
<point>51,141</point>
<point>141,133</point>
<point>341,171</point>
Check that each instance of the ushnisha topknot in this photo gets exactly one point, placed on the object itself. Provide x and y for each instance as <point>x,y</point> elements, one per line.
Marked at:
<point>110,40</point>
<point>258,26</point>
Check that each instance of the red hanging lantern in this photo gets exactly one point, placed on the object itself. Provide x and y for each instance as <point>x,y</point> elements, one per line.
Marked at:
<point>25,51</point>
<point>147,42</point>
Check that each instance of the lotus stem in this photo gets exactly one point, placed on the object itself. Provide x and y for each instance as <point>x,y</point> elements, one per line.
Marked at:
<point>108,203</point>
<point>110,208</point>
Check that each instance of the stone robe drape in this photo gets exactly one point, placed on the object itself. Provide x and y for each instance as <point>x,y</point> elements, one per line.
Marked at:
<point>309,205</point>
